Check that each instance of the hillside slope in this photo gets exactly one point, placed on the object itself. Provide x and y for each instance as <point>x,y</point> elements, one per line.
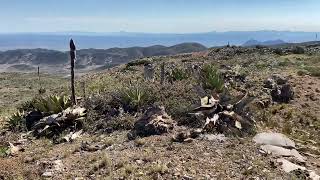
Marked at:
<point>87,58</point>
<point>192,136</point>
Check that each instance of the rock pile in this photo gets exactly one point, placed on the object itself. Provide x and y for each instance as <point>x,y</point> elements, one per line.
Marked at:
<point>281,90</point>
<point>56,123</point>
<point>285,151</point>
<point>155,121</point>
<point>224,118</point>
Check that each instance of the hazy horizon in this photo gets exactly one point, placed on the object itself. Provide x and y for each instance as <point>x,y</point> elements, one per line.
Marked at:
<point>142,32</point>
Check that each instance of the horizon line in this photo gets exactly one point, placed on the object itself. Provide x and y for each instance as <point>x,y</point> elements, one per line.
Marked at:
<point>132,32</point>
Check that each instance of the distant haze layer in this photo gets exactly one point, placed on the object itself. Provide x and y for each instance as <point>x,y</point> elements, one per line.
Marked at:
<point>59,41</point>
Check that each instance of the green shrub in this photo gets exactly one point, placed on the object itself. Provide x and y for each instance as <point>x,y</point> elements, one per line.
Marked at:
<point>211,78</point>
<point>298,50</point>
<point>285,62</point>
<point>17,122</point>
<point>302,72</point>
<point>179,74</point>
<point>52,104</point>
<point>138,62</point>
<point>278,51</point>
<point>124,122</point>
<point>133,97</point>
<point>260,47</point>
<point>4,151</point>
<point>313,70</point>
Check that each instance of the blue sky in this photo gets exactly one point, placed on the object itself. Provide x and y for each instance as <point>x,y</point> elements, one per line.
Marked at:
<point>181,16</point>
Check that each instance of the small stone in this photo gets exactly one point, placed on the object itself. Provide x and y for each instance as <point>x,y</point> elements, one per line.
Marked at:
<point>58,165</point>
<point>28,159</point>
<point>47,174</point>
<point>186,177</point>
<point>79,178</point>
<point>218,152</point>
<point>139,161</point>
<point>188,140</point>
<point>288,166</point>
<point>212,137</point>
<point>195,133</point>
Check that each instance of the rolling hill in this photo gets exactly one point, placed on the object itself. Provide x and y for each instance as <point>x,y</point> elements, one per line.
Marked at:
<point>88,58</point>
<point>59,41</point>
<point>253,42</point>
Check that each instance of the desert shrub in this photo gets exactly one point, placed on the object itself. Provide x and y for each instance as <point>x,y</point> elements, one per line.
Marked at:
<point>17,121</point>
<point>104,113</point>
<point>298,50</point>
<point>102,84</point>
<point>285,62</point>
<point>134,97</point>
<point>278,51</point>
<point>124,122</point>
<point>260,47</point>
<point>211,78</point>
<point>27,105</point>
<point>42,90</point>
<point>261,65</point>
<point>138,62</point>
<point>52,104</point>
<point>179,74</point>
<point>3,151</point>
<point>302,72</point>
<point>178,98</point>
<point>313,70</point>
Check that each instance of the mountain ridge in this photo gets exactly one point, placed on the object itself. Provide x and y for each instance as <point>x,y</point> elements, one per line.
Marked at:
<point>59,40</point>
<point>253,42</point>
<point>90,57</point>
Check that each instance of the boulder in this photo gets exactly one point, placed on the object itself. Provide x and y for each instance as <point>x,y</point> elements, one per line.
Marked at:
<point>280,80</point>
<point>32,118</point>
<point>281,90</point>
<point>269,83</point>
<point>280,151</point>
<point>276,139</point>
<point>288,166</point>
<point>283,93</point>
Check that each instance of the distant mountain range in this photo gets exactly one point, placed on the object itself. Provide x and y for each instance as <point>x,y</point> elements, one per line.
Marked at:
<point>253,42</point>
<point>29,59</point>
<point>85,40</point>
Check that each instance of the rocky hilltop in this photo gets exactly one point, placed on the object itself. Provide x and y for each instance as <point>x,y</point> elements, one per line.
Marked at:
<point>223,113</point>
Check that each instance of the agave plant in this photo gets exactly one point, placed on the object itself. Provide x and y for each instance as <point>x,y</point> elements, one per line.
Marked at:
<point>4,151</point>
<point>211,79</point>
<point>179,74</point>
<point>133,96</point>
<point>17,121</point>
<point>52,104</point>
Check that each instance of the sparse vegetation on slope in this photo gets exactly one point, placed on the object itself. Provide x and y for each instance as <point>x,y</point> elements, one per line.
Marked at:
<point>192,119</point>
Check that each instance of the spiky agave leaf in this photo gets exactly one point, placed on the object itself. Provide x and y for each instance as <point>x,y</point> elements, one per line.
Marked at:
<point>15,122</point>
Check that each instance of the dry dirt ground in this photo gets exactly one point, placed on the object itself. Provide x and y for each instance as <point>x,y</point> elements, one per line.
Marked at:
<point>113,156</point>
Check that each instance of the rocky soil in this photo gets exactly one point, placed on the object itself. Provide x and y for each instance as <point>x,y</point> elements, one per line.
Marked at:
<point>265,124</point>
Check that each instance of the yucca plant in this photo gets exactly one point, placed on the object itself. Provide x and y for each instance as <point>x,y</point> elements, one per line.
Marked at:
<point>211,78</point>
<point>179,74</point>
<point>52,104</point>
<point>133,97</point>
<point>17,121</point>
<point>4,151</point>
